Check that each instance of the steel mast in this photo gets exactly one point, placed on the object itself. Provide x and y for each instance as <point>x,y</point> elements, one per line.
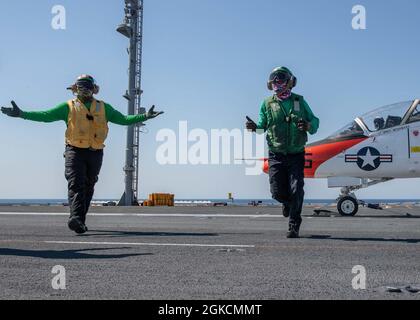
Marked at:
<point>132,28</point>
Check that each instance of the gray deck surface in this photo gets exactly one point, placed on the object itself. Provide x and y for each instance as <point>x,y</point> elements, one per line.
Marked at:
<point>207,253</point>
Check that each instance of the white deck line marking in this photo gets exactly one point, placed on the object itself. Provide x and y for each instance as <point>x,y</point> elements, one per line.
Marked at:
<point>161,215</point>
<point>151,244</point>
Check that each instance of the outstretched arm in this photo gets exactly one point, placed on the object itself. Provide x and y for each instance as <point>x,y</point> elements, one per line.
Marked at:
<point>117,117</point>
<point>56,114</point>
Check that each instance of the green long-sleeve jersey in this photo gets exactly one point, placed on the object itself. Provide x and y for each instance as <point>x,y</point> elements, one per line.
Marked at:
<point>61,112</point>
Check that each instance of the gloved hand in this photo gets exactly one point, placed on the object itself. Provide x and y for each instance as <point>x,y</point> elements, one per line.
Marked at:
<point>251,125</point>
<point>14,112</point>
<point>152,113</point>
<point>303,125</point>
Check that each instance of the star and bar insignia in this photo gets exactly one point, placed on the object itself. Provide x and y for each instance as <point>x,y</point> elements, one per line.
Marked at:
<point>369,159</point>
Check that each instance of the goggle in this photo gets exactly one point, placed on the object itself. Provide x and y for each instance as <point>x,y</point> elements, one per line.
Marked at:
<point>279,77</point>
<point>85,84</point>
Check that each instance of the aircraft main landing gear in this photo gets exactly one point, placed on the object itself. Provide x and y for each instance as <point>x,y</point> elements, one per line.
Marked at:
<point>347,203</point>
<point>348,206</point>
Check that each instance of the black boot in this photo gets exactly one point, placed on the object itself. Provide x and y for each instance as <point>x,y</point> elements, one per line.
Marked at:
<point>293,232</point>
<point>76,225</point>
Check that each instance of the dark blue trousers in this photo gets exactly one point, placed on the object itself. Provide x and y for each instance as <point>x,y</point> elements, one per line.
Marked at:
<point>82,171</point>
<point>287,180</point>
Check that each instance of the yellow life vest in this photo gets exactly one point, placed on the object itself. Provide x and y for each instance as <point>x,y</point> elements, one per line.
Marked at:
<point>86,128</point>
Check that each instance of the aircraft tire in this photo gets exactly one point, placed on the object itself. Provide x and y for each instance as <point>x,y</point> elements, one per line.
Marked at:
<point>348,206</point>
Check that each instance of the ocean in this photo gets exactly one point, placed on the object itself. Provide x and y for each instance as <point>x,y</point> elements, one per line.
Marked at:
<point>239,202</point>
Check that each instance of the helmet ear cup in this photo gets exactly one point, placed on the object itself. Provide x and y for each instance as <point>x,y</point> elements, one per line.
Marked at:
<point>292,82</point>
<point>96,89</point>
<point>270,85</point>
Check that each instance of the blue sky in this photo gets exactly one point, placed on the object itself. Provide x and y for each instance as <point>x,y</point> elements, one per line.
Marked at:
<point>206,62</point>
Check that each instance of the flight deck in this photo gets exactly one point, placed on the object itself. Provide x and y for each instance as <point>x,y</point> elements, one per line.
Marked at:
<point>209,253</point>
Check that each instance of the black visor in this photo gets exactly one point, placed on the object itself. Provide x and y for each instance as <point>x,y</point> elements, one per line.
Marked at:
<point>85,84</point>
<point>279,76</point>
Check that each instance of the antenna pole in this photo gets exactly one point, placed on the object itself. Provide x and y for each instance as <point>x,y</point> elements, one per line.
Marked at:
<point>132,28</point>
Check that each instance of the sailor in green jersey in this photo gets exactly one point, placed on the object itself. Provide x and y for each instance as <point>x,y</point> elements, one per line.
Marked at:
<point>87,129</point>
<point>287,119</point>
